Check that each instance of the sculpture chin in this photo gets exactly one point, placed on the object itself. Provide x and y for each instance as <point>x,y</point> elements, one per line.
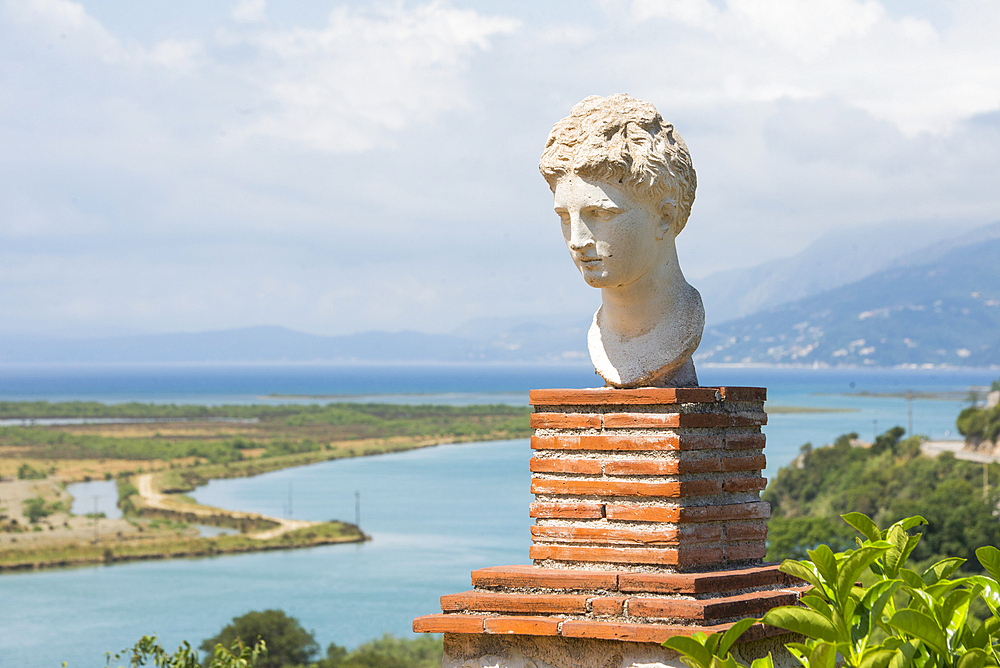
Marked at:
<point>658,358</point>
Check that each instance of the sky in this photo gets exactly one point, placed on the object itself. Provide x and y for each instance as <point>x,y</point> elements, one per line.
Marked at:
<point>339,167</point>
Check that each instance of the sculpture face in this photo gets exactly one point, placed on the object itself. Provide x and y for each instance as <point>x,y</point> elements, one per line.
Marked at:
<point>614,238</point>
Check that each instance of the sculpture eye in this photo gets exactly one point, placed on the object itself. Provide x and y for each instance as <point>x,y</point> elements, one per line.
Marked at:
<point>604,214</point>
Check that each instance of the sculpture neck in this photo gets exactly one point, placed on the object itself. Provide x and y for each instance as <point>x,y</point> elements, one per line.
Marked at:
<point>635,309</point>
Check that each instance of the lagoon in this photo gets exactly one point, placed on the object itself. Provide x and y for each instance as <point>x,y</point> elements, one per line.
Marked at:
<point>434,514</point>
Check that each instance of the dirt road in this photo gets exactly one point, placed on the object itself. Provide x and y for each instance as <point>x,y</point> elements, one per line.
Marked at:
<point>158,500</point>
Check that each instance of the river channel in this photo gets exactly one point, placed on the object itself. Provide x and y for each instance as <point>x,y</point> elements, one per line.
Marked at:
<point>434,514</point>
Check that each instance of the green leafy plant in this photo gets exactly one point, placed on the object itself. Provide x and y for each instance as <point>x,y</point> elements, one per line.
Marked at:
<point>149,652</point>
<point>902,619</point>
<point>712,651</point>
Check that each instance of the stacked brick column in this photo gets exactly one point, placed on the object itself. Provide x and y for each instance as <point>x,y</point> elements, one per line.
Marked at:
<point>648,522</point>
<point>659,477</point>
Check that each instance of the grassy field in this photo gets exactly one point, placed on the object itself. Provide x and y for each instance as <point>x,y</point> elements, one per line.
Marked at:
<point>177,448</point>
<point>264,438</point>
<point>61,554</point>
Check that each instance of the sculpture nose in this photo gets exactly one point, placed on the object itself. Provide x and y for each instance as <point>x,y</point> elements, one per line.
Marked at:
<point>580,235</point>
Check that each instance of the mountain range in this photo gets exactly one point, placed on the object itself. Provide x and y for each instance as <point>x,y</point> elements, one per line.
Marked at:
<point>901,294</point>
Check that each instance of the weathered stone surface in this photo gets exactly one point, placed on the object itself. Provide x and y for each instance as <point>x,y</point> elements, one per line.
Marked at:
<point>623,185</point>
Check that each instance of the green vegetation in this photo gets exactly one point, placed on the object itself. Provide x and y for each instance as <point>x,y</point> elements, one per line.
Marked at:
<point>266,431</point>
<point>26,472</point>
<point>903,618</point>
<point>887,481</point>
<point>36,508</point>
<point>149,650</point>
<point>288,645</point>
<point>46,555</point>
<point>981,425</point>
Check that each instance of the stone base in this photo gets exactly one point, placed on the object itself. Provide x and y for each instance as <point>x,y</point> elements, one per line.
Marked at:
<point>518,651</point>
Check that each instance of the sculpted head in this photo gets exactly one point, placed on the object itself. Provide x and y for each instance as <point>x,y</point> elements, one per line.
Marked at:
<point>623,186</point>
<point>622,140</point>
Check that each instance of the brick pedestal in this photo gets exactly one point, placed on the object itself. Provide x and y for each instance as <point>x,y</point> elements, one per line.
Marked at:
<point>648,524</point>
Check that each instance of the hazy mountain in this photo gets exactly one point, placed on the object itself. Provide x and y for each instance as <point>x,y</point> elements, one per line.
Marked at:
<point>835,259</point>
<point>943,311</point>
<point>479,342</point>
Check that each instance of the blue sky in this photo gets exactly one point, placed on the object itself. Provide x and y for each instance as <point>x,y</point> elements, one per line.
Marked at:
<point>337,167</point>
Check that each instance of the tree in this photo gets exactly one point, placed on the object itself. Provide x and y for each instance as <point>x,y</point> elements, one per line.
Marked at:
<point>288,644</point>
<point>388,651</point>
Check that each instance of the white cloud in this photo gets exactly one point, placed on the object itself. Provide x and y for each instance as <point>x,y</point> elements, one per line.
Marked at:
<point>898,68</point>
<point>375,167</point>
<point>250,11</point>
<point>341,87</point>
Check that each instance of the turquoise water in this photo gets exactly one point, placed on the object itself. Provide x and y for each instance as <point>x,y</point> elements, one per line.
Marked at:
<point>434,514</point>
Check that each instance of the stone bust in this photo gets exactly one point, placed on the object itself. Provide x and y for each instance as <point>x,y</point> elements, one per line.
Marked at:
<point>623,185</point>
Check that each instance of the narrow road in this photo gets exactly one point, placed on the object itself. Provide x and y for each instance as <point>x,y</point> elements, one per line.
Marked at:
<point>160,501</point>
<point>934,448</point>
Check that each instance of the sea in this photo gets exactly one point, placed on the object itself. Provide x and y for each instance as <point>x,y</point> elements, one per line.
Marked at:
<point>434,514</point>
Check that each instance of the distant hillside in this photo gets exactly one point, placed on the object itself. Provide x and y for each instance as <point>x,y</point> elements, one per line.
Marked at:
<point>944,311</point>
<point>477,342</point>
<point>835,259</point>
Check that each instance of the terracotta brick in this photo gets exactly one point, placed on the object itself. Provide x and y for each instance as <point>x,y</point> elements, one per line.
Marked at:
<point>626,513</point>
<point>701,487</point>
<point>651,633</point>
<point>709,420</point>
<point>682,556</point>
<point>524,626</point>
<point>607,442</point>
<point>608,605</point>
<point>488,601</point>
<point>611,555</point>
<point>642,467</point>
<point>549,578</point>
<point>743,393</point>
<point>734,511</point>
<point>751,463</point>
<point>611,396</point>
<point>566,511</point>
<point>745,441</point>
<point>662,466</point>
<point>742,551</point>
<point>618,442</point>
<point>448,624</point>
<point>583,466</point>
<point>748,484</point>
<point>641,420</point>
<point>605,535</point>
<point>634,420</point>
<point>746,531</point>
<point>706,465</point>
<point>702,583</point>
<point>565,421</point>
<point>713,608</point>
<point>605,487</point>
<point>698,533</point>
<point>700,442</point>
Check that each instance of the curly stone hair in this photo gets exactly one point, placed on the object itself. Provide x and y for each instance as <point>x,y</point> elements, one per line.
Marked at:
<point>620,138</point>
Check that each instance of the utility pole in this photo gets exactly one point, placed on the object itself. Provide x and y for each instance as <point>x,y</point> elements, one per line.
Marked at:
<point>909,412</point>
<point>357,509</point>
<point>95,519</point>
<point>986,479</point>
